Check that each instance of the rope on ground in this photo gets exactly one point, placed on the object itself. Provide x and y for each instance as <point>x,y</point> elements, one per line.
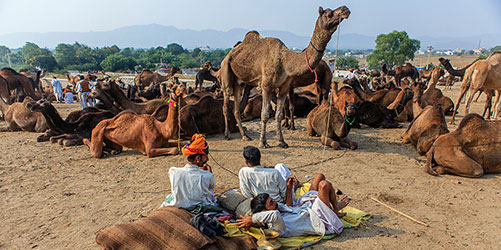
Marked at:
<point>227,170</point>
<point>405,215</point>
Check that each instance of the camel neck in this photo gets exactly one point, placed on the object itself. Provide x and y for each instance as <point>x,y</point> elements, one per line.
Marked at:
<point>3,106</point>
<point>416,106</point>
<point>361,93</point>
<point>170,126</point>
<point>122,99</point>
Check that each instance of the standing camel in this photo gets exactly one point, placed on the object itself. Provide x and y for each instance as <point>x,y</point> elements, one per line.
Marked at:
<point>147,77</point>
<point>482,74</point>
<point>20,83</point>
<point>205,74</point>
<point>269,64</point>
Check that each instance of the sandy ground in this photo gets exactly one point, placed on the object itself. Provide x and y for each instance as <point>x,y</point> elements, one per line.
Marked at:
<point>56,197</point>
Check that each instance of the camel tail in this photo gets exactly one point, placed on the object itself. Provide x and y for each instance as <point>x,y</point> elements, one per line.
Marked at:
<point>430,162</point>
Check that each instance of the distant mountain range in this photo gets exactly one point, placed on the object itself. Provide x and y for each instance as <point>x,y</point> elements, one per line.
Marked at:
<point>153,35</point>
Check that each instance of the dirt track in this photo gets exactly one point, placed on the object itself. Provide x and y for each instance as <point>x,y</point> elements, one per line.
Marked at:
<point>56,197</point>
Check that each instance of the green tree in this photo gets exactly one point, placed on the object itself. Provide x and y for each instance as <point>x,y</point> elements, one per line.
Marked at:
<point>345,63</point>
<point>3,53</point>
<point>497,48</point>
<point>117,62</point>
<point>30,51</point>
<point>393,49</point>
<point>65,54</point>
<point>175,49</point>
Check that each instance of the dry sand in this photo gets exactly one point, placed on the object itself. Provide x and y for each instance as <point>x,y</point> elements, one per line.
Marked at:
<point>56,197</point>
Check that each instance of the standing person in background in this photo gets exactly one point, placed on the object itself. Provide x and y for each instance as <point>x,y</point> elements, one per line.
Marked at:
<point>83,90</point>
<point>58,89</point>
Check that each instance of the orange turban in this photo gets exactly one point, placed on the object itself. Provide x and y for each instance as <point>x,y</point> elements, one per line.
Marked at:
<point>198,145</point>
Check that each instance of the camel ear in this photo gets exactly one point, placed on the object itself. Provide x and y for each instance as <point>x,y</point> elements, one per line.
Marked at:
<point>320,11</point>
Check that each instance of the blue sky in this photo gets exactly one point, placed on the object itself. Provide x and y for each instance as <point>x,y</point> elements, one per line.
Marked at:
<point>369,17</point>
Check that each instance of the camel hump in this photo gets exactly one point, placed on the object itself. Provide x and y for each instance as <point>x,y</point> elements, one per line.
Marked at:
<point>471,120</point>
<point>251,36</point>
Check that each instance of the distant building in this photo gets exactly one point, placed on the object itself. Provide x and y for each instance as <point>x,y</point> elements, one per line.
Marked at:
<point>478,51</point>
<point>205,48</point>
<point>458,50</point>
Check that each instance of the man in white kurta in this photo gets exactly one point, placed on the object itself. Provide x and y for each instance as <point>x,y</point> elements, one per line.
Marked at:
<point>194,183</point>
<point>256,179</point>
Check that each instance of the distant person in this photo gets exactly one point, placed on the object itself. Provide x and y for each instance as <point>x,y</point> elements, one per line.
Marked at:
<point>83,89</point>
<point>58,89</point>
<point>68,97</point>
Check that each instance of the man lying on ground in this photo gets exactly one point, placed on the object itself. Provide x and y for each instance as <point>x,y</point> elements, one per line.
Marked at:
<point>316,216</point>
<point>194,183</point>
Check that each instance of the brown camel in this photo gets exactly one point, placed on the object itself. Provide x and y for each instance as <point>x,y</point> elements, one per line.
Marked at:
<point>460,73</point>
<point>140,108</point>
<point>147,77</point>
<point>141,132</point>
<point>36,79</point>
<point>384,96</point>
<point>5,91</point>
<point>433,95</point>
<point>334,133</point>
<point>401,71</point>
<point>428,124</point>
<point>19,83</point>
<point>18,117</point>
<point>321,80</point>
<point>268,63</point>
<point>339,98</point>
<point>470,151</point>
<point>205,74</point>
<point>482,74</point>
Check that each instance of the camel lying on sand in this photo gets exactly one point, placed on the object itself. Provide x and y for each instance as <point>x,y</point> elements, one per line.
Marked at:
<point>18,117</point>
<point>334,134</point>
<point>470,151</point>
<point>71,132</point>
<point>428,124</point>
<point>401,71</point>
<point>141,132</point>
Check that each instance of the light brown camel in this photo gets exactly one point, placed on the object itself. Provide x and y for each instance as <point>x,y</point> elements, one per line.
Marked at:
<point>333,134</point>
<point>339,98</point>
<point>384,96</point>
<point>19,83</point>
<point>460,73</point>
<point>482,74</point>
<point>19,117</point>
<point>269,64</point>
<point>141,132</point>
<point>5,91</point>
<point>401,71</point>
<point>433,95</point>
<point>472,150</point>
<point>428,124</point>
<point>36,79</point>
<point>147,77</point>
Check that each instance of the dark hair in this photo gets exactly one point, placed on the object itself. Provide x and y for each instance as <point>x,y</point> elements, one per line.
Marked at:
<point>80,77</point>
<point>191,158</point>
<point>258,203</point>
<point>252,155</point>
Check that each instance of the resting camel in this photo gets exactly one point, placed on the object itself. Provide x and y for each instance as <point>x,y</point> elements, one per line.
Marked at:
<point>268,63</point>
<point>428,124</point>
<point>401,71</point>
<point>333,134</point>
<point>5,91</point>
<point>19,83</point>
<point>339,98</point>
<point>470,151</point>
<point>433,95</point>
<point>460,73</point>
<point>482,74</point>
<point>205,74</point>
<point>147,77</point>
<point>141,132</point>
<point>384,96</point>
<point>71,132</point>
<point>18,117</point>
<point>36,79</point>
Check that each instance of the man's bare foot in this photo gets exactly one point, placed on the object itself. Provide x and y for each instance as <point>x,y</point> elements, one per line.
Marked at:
<point>340,204</point>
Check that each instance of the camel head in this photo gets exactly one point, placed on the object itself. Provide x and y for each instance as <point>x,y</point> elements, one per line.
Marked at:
<point>339,125</point>
<point>207,64</point>
<point>329,19</point>
<point>443,60</point>
<point>174,70</point>
<point>350,111</point>
<point>38,106</point>
<point>178,92</point>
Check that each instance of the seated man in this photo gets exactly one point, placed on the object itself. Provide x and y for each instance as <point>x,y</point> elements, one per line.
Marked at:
<point>194,183</point>
<point>255,179</point>
<point>317,217</point>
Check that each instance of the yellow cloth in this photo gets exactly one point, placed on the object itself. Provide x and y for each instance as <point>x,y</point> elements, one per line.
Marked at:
<point>353,218</point>
<point>198,145</point>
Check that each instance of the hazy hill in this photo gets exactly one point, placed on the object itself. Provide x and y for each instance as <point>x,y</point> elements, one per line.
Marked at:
<point>153,35</point>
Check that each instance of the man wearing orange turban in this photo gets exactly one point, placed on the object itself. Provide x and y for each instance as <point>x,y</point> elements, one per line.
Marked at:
<point>194,183</point>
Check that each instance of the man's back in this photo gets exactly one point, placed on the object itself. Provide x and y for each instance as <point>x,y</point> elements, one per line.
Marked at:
<point>191,186</point>
<point>257,179</point>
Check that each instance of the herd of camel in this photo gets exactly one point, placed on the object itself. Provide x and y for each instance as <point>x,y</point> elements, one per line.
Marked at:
<point>157,110</point>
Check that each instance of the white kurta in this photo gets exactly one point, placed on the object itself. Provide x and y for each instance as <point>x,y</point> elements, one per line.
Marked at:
<point>191,186</point>
<point>257,180</point>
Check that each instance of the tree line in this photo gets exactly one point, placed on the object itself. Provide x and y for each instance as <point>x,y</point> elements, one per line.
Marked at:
<point>84,58</point>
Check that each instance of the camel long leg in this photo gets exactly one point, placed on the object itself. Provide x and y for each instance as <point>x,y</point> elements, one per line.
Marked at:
<point>478,96</point>
<point>291,108</point>
<point>279,115</point>
<point>488,104</point>
<point>152,152</point>
<point>450,159</point>
<point>226,102</point>
<point>478,79</point>
<point>464,88</point>
<point>237,93</point>
<point>267,92</point>
<point>497,105</point>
